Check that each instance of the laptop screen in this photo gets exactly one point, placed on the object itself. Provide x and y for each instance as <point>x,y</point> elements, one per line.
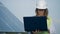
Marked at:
<point>35,23</point>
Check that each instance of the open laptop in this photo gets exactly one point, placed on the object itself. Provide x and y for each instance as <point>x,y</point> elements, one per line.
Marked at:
<point>35,23</point>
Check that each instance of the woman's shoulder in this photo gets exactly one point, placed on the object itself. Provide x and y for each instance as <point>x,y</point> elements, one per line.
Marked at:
<point>49,21</point>
<point>49,18</point>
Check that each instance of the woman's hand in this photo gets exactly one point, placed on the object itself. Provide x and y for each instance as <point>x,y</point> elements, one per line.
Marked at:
<point>36,31</point>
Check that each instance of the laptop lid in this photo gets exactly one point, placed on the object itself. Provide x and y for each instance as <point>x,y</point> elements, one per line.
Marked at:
<point>35,23</point>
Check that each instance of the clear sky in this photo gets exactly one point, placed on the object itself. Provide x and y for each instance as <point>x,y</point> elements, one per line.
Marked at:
<point>21,8</point>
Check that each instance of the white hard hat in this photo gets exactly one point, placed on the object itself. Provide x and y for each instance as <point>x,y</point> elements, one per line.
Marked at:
<point>41,4</point>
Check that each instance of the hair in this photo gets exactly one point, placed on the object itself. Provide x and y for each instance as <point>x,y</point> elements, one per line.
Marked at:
<point>45,11</point>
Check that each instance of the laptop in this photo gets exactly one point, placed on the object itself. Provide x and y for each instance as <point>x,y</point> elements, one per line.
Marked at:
<point>35,23</point>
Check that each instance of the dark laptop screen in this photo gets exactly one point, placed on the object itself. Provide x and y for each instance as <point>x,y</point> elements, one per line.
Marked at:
<point>35,23</point>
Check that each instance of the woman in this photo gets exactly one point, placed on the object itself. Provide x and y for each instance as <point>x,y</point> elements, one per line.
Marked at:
<point>43,12</point>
